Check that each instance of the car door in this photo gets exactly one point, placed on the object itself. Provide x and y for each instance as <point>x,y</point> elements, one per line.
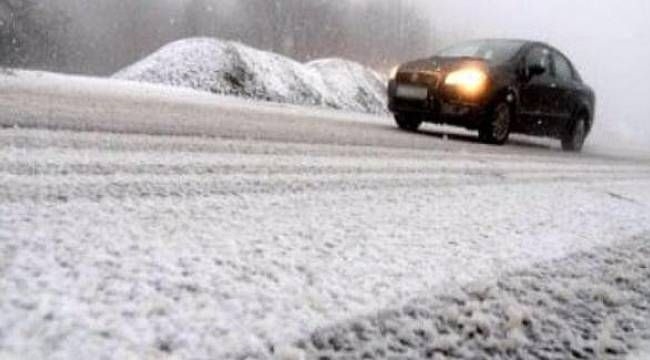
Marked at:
<point>567,86</point>
<point>538,92</point>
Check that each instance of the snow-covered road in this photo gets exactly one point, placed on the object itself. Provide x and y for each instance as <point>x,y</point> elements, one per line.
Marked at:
<point>276,221</point>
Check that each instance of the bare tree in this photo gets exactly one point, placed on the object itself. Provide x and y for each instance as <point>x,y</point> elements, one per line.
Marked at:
<point>27,35</point>
<point>101,36</point>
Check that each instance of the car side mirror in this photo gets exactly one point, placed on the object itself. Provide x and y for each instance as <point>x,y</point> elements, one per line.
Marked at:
<point>536,70</point>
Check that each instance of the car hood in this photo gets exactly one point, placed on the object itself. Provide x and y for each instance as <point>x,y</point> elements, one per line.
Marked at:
<point>442,64</point>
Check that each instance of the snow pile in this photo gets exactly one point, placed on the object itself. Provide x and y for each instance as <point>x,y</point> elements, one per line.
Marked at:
<point>353,86</point>
<point>231,68</point>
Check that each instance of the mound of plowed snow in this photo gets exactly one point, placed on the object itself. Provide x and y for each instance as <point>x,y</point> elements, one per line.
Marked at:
<point>353,86</point>
<point>231,68</point>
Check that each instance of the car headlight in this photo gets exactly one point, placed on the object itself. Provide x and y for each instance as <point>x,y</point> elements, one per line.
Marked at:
<point>471,81</point>
<point>393,72</point>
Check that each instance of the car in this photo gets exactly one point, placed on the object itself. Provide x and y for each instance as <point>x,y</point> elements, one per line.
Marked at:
<point>498,87</point>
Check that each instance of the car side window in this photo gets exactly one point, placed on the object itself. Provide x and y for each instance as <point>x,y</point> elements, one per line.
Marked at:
<point>538,56</point>
<point>563,69</point>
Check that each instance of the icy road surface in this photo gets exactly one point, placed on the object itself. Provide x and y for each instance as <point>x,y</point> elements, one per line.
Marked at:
<point>276,221</point>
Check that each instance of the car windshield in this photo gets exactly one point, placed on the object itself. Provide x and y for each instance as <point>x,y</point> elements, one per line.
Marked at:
<point>493,51</point>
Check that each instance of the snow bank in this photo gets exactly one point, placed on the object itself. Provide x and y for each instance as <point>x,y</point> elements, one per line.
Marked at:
<point>353,86</point>
<point>231,68</point>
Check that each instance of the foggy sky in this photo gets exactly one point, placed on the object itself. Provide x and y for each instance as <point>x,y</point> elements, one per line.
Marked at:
<point>606,39</point>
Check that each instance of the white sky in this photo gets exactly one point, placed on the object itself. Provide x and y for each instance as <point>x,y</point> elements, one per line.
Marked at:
<point>608,40</point>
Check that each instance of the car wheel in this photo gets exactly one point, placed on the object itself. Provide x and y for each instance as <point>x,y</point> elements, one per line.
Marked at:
<point>496,128</point>
<point>408,122</point>
<point>575,137</point>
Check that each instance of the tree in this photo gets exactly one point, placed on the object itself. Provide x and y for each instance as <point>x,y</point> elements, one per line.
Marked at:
<point>194,14</point>
<point>102,36</point>
<point>28,34</point>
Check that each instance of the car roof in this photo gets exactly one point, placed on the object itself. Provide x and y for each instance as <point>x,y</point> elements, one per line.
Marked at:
<point>504,40</point>
<point>524,44</point>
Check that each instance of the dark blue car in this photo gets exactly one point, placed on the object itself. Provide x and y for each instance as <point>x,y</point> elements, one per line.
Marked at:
<point>497,87</point>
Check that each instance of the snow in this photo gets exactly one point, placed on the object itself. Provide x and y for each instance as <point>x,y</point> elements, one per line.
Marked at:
<point>643,351</point>
<point>353,86</point>
<point>553,310</point>
<point>149,246</point>
<point>230,68</point>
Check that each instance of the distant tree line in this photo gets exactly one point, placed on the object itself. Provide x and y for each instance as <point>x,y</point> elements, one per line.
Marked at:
<point>101,36</point>
<point>30,35</point>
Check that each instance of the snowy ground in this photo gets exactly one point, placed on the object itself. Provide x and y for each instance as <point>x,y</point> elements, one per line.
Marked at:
<point>181,225</point>
<point>203,248</point>
<point>592,305</point>
<point>642,352</point>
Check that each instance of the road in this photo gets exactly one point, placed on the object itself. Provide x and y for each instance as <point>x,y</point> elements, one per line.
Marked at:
<point>144,221</point>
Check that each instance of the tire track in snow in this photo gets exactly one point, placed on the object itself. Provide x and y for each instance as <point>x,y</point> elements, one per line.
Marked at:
<point>63,172</point>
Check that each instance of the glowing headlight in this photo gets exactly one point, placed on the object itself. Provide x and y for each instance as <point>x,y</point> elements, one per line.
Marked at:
<point>393,72</point>
<point>471,81</point>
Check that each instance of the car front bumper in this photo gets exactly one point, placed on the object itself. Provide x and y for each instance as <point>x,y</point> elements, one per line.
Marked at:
<point>438,107</point>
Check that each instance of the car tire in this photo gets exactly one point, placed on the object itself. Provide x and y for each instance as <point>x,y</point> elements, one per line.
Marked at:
<point>408,122</point>
<point>575,138</point>
<point>496,127</point>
